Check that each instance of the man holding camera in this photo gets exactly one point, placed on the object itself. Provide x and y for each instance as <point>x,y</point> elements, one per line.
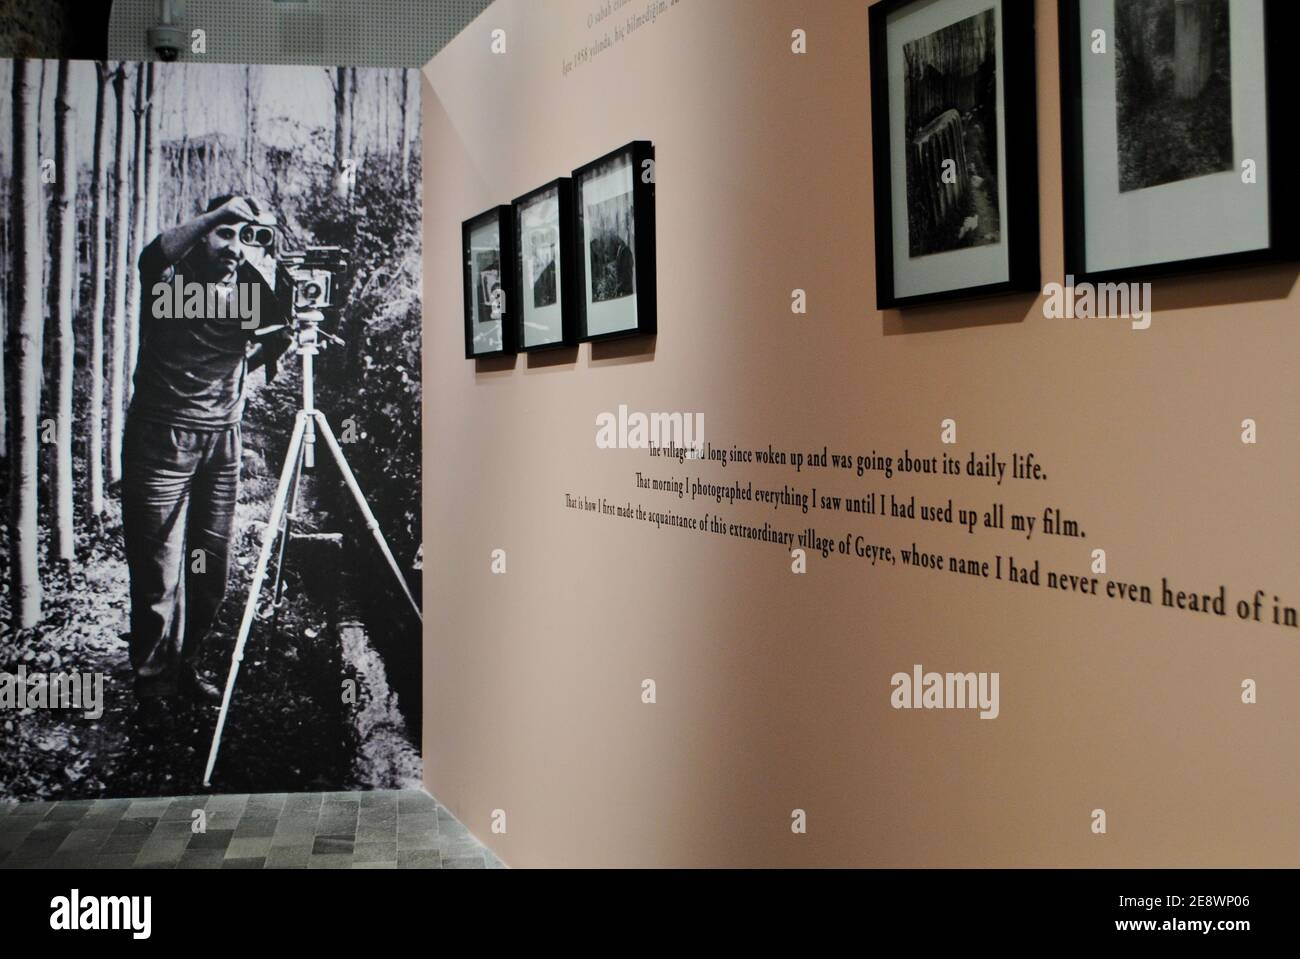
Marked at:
<point>181,448</point>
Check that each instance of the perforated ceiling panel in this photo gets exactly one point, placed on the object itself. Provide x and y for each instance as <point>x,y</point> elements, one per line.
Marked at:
<point>379,33</point>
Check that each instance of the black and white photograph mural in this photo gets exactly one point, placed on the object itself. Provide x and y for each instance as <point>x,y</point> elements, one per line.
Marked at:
<point>211,430</point>
<point>951,97</point>
<point>1173,74</point>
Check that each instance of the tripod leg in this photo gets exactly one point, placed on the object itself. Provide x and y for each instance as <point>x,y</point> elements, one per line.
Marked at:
<point>259,574</point>
<point>371,523</point>
<point>277,590</point>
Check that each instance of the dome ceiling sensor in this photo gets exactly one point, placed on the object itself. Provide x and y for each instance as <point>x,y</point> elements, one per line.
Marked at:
<point>166,38</point>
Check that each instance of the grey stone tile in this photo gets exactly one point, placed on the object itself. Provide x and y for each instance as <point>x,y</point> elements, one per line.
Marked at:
<point>379,799</point>
<point>418,821</point>
<point>341,810</point>
<point>135,827</point>
<point>418,839</point>
<point>418,859</point>
<point>417,802</point>
<point>330,861</point>
<point>84,840</point>
<point>375,852</point>
<point>173,829</point>
<point>147,809</point>
<point>68,811</point>
<point>223,803</point>
<point>464,862</point>
<point>288,857</point>
<point>101,820</point>
<point>114,861</point>
<point>351,797</point>
<point>255,863</point>
<point>336,828</point>
<point>374,865</point>
<point>46,831</point>
<point>291,828</point>
<point>302,804</point>
<point>161,851</point>
<point>326,845</point>
<point>452,830</point>
<point>381,832</point>
<point>270,799</point>
<point>202,859</point>
<point>249,828</point>
<point>117,844</point>
<point>263,810</point>
<point>36,810</point>
<point>106,806</point>
<point>223,819</point>
<point>183,810</point>
<point>248,847</point>
<point>214,839</point>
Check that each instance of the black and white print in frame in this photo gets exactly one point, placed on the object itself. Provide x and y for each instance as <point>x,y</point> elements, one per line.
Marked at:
<point>486,242</point>
<point>614,200</point>
<point>1173,131</point>
<point>543,237</point>
<point>954,149</point>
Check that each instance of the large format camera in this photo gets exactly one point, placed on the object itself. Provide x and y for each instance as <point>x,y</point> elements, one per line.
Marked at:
<point>314,274</point>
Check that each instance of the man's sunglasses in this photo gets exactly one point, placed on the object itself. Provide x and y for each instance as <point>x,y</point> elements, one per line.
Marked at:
<point>249,234</point>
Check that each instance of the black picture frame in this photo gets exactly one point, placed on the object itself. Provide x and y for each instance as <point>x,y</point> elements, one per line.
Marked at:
<point>564,273</point>
<point>640,154</point>
<point>1281,19</point>
<point>505,232</point>
<point>1019,110</point>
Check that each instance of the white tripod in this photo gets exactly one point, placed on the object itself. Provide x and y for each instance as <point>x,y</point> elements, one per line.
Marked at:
<point>301,453</point>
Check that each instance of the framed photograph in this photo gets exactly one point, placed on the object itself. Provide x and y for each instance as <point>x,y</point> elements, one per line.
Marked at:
<point>543,222</point>
<point>1174,143</point>
<point>615,216</point>
<point>954,149</point>
<point>489,300</point>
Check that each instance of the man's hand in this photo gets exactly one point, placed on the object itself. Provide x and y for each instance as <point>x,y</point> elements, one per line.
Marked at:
<point>243,209</point>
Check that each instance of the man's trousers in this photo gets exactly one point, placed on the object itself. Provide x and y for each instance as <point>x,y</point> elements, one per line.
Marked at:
<point>179,488</point>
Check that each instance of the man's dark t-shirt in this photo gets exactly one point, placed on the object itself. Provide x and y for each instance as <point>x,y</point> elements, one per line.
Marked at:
<point>190,371</point>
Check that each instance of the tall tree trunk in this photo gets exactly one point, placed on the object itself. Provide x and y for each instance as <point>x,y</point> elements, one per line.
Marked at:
<point>182,209</point>
<point>65,227</point>
<point>406,127</point>
<point>133,294</point>
<point>340,118</point>
<point>121,242</point>
<point>248,130</point>
<point>98,272</point>
<point>25,337</point>
<point>153,153</point>
<point>6,271</point>
<point>352,113</point>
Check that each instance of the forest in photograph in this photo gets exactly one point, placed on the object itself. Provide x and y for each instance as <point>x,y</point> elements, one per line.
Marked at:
<point>1173,88</point>
<point>613,273</point>
<point>97,159</point>
<point>951,120</point>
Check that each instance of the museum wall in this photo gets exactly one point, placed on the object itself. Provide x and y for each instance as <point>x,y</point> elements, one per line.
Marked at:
<point>772,688</point>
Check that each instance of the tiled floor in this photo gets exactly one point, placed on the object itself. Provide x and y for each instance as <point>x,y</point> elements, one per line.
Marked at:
<point>352,830</point>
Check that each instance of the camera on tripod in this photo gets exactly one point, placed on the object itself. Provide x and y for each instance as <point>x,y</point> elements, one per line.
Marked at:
<point>314,274</point>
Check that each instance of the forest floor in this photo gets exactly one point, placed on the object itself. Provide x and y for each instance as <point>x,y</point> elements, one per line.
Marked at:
<point>288,729</point>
